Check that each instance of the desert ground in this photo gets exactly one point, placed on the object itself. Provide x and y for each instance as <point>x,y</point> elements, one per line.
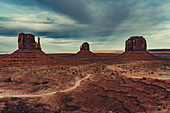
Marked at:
<point>103,84</point>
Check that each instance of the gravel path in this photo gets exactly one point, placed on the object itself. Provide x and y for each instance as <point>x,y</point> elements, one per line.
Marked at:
<point>51,93</point>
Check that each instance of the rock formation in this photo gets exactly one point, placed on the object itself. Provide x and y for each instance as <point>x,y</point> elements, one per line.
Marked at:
<point>27,41</point>
<point>85,52</point>
<point>136,49</point>
<point>85,46</point>
<point>28,53</point>
<point>136,43</point>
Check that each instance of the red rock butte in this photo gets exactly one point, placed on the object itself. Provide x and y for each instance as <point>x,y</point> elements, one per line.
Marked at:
<point>85,46</point>
<point>136,47</point>
<point>85,52</point>
<point>136,43</point>
<point>27,41</point>
<point>29,53</point>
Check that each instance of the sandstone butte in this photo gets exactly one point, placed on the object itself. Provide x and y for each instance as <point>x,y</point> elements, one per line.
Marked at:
<point>85,52</point>
<point>136,48</point>
<point>29,53</point>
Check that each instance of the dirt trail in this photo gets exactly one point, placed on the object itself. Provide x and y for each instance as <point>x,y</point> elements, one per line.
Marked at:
<point>149,77</point>
<point>137,75</point>
<point>51,93</point>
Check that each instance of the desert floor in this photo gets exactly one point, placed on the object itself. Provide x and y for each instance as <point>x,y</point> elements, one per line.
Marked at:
<point>102,84</point>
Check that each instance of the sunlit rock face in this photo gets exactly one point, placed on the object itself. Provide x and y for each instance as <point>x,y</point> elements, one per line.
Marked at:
<point>136,43</point>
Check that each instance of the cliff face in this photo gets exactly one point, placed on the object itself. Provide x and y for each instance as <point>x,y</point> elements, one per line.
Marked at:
<point>27,41</point>
<point>136,43</point>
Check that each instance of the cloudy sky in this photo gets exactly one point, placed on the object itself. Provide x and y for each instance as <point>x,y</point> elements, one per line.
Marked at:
<point>64,25</point>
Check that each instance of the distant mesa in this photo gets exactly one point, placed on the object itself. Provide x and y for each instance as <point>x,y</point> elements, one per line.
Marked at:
<point>29,53</point>
<point>136,43</point>
<point>85,52</point>
<point>136,47</point>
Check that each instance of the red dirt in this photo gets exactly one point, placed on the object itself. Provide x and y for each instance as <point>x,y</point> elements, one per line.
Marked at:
<point>121,94</point>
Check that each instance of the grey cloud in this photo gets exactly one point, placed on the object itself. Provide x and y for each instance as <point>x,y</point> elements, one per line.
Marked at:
<point>5,18</point>
<point>76,9</point>
<point>101,16</point>
<point>106,17</point>
<point>98,17</point>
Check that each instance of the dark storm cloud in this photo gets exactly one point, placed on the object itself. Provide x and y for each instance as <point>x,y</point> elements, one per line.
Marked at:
<point>74,8</point>
<point>4,19</point>
<point>101,16</point>
<point>92,11</point>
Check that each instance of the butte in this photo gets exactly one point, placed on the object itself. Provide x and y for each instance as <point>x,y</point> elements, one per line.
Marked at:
<point>85,52</point>
<point>136,48</point>
<point>29,53</point>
